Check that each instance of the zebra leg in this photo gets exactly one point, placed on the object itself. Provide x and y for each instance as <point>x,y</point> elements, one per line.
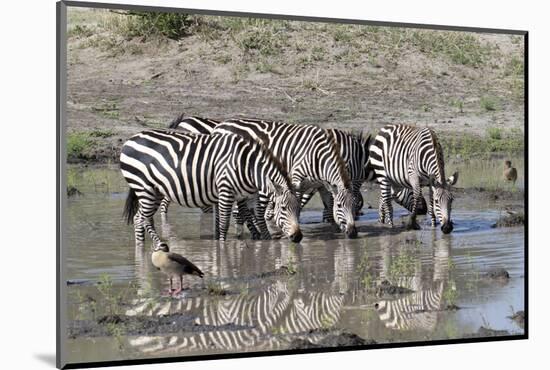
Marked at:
<point>417,194</point>
<point>225,206</point>
<point>139,230</point>
<point>328,203</point>
<point>216,210</point>
<point>164,208</point>
<point>260,217</point>
<point>239,221</point>
<point>244,215</point>
<point>431,212</point>
<point>147,208</point>
<point>385,207</point>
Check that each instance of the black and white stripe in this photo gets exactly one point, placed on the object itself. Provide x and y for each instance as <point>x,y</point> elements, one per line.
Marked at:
<point>266,319</point>
<point>311,158</point>
<point>409,157</point>
<point>202,170</point>
<point>354,151</point>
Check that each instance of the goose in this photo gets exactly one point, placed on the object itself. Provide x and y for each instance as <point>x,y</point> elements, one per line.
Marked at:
<point>510,173</point>
<point>173,265</point>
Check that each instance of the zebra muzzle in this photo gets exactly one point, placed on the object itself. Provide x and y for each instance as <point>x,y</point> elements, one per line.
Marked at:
<point>296,237</point>
<point>351,232</point>
<point>447,227</point>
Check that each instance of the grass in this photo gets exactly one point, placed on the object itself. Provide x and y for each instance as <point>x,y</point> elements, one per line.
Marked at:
<point>365,277</point>
<point>402,265</point>
<point>79,144</point>
<point>496,140</point>
<point>488,103</point>
<point>108,109</point>
<point>486,173</point>
<point>100,133</point>
<point>107,307</point>
<point>494,133</point>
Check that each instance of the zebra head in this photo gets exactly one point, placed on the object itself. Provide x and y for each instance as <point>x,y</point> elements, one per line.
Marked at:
<point>442,203</point>
<point>343,212</point>
<point>286,211</point>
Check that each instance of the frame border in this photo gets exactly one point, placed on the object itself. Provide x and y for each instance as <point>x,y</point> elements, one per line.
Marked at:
<point>61,196</point>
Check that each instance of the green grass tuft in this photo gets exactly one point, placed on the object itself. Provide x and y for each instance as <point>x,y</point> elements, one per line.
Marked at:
<point>78,143</point>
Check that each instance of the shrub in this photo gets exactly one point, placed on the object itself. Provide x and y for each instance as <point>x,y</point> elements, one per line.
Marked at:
<point>147,24</point>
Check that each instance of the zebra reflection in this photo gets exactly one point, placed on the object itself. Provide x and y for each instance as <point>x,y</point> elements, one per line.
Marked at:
<point>265,319</point>
<point>420,309</point>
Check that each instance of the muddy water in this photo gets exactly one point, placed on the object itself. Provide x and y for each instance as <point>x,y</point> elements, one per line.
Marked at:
<point>269,295</point>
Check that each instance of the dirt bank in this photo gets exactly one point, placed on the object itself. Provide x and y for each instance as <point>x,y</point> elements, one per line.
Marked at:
<point>346,76</point>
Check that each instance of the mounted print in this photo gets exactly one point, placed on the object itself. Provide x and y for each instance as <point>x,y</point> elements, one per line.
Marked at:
<point>236,184</point>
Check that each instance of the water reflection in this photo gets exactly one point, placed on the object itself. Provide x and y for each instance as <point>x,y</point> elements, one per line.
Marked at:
<point>267,306</point>
<point>277,292</point>
<point>420,309</point>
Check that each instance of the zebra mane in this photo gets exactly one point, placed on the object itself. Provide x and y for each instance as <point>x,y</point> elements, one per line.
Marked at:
<point>177,121</point>
<point>439,157</point>
<point>339,161</point>
<point>266,151</point>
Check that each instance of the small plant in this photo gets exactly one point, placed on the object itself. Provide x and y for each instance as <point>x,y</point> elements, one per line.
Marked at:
<point>265,67</point>
<point>459,104</point>
<point>108,109</point>
<point>99,133</point>
<point>259,40</point>
<point>342,34</point>
<point>80,31</point>
<point>488,104</point>
<point>494,133</point>
<point>402,265</point>
<point>450,294</point>
<point>78,143</point>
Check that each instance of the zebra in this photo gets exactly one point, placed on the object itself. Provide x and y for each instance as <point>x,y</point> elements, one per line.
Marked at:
<point>202,170</point>
<point>311,158</point>
<point>404,156</point>
<point>353,149</point>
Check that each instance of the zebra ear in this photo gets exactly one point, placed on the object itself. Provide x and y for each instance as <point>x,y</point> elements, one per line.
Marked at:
<point>453,179</point>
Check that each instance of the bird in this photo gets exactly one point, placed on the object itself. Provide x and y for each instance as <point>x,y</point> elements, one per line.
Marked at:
<point>510,173</point>
<point>173,265</point>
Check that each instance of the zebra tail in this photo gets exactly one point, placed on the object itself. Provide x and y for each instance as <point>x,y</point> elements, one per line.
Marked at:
<point>131,207</point>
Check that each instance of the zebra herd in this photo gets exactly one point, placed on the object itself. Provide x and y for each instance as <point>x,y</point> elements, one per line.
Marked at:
<point>272,169</point>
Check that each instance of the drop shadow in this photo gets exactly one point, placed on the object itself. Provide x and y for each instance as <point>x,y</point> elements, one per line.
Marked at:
<point>47,358</point>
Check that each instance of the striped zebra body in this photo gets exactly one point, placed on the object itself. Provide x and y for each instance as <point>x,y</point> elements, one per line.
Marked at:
<point>408,157</point>
<point>311,158</point>
<point>202,170</point>
<point>242,213</point>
